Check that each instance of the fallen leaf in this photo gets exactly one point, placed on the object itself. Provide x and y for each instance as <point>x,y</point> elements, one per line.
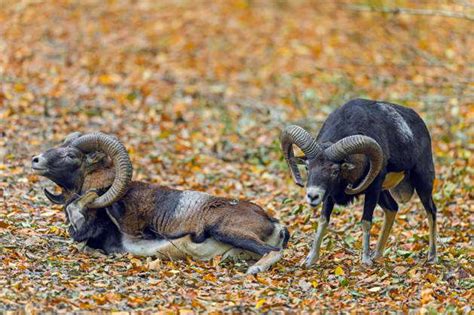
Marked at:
<point>339,271</point>
<point>260,303</point>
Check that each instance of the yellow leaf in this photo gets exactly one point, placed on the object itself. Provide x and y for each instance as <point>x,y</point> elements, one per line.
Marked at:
<point>339,271</point>
<point>314,283</point>
<point>209,277</point>
<point>107,79</point>
<point>431,277</point>
<point>260,303</point>
<point>135,300</point>
<point>241,4</point>
<point>19,88</point>
<point>100,299</point>
<point>418,79</point>
<point>262,280</point>
<point>426,296</point>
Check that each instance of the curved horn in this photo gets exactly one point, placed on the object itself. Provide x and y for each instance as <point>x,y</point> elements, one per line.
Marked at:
<point>56,199</point>
<point>123,167</point>
<point>358,144</point>
<point>71,137</point>
<point>298,136</point>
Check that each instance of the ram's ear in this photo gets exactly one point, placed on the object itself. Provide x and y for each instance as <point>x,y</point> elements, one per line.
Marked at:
<point>346,166</point>
<point>93,161</point>
<point>95,158</point>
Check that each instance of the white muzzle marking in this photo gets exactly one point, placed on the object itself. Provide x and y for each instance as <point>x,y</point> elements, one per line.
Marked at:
<point>38,164</point>
<point>314,195</point>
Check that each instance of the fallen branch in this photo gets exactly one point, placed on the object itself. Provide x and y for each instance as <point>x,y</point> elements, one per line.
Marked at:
<point>427,12</point>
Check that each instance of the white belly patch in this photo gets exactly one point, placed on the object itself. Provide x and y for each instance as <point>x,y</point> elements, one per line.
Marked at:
<point>143,247</point>
<point>182,247</point>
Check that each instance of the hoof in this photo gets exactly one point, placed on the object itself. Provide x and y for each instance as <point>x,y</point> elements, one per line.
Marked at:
<point>366,261</point>
<point>253,270</point>
<point>431,260</point>
<point>375,255</point>
<point>309,261</point>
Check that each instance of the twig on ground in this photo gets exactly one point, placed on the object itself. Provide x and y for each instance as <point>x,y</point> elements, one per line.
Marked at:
<point>410,11</point>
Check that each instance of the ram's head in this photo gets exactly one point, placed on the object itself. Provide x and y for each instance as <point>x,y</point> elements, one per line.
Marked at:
<point>68,165</point>
<point>331,164</point>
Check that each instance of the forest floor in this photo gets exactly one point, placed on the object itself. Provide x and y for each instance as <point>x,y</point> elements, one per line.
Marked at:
<point>199,91</point>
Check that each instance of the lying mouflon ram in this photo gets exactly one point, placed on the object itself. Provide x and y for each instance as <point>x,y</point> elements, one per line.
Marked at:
<point>383,149</point>
<point>110,212</point>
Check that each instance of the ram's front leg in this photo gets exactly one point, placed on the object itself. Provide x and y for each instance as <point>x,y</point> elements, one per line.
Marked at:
<point>75,210</point>
<point>313,255</point>
<point>264,263</point>
<point>371,199</point>
<point>390,208</point>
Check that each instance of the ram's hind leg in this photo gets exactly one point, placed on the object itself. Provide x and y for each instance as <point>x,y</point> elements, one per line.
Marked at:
<point>249,241</point>
<point>243,239</point>
<point>265,262</point>
<point>431,213</point>
<point>423,182</point>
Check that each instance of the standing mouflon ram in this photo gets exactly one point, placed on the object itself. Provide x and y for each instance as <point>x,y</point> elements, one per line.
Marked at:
<point>110,212</point>
<point>383,149</point>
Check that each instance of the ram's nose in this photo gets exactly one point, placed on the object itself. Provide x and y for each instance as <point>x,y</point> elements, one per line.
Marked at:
<point>314,195</point>
<point>38,163</point>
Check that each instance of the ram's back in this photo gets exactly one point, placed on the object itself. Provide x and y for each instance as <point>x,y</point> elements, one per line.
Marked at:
<point>399,130</point>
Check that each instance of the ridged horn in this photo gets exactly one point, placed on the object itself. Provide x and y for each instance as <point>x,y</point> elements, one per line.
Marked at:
<point>56,199</point>
<point>301,138</point>
<point>123,166</point>
<point>358,144</point>
<point>71,137</point>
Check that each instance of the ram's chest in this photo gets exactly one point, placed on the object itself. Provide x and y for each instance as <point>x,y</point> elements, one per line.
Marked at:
<point>392,180</point>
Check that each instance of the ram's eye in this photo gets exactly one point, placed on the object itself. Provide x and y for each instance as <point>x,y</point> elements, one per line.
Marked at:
<point>335,173</point>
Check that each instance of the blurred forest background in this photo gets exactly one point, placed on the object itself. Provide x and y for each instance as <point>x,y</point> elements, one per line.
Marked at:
<point>198,92</point>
